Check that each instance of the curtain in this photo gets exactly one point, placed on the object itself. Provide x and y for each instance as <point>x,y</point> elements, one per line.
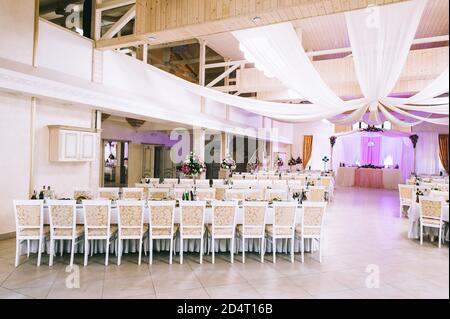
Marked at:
<point>370,150</point>
<point>307,149</point>
<point>427,153</point>
<point>443,151</point>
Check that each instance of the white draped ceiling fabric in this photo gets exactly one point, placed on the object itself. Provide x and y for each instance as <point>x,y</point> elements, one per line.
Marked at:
<point>381,38</point>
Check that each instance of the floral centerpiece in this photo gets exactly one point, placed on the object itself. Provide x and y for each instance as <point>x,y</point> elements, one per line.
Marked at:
<point>325,160</point>
<point>279,163</point>
<point>228,163</point>
<point>252,166</point>
<point>192,166</point>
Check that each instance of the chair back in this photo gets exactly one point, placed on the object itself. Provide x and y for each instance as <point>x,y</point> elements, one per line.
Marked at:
<point>224,217</point>
<point>255,194</point>
<point>97,217</point>
<point>192,218</point>
<point>254,218</point>
<point>431,208</point>
<point>130,217</point>
<point>276,194</point>
<point>178,192</point>
<point>313,218</point>
<point>235,194</point>
<point>220,192</point>
<point>63,217</point>
<point>284,218</point>
<point>158,193</point>
<point>133,193</point>
<point>264,183</point>
<point>406,192</point>
<point>295,183</point>
<point>161,219</point>
<point>316,194</point>
<point>29,216</point>
<point>109,193</point>
<point>206,193</point>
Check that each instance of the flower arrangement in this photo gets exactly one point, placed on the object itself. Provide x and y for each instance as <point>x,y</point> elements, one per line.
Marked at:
<point>252,166</point>
<point>228,163</point>
<point>372,128</point>
<point>192,165</point>
<point>332,141</point>
<point>292,162</point>
<point>414,139</point>
<point>371,166</point>
<point>279,163</point>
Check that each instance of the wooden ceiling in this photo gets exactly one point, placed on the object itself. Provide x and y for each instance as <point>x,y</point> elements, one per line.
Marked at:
<point>176,20</point>
<point>330,31</point>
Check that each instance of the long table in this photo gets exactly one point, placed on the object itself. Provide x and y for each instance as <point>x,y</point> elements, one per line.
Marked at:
<point>387,178</point>
<point>189,245</point>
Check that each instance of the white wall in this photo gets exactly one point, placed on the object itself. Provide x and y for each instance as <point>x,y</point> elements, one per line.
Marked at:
<point>14,161</point>
<point>55,42</point>
<point>62,177</point>
<point>17,30</point>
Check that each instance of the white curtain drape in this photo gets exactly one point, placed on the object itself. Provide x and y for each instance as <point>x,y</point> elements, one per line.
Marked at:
<point>427,153</point>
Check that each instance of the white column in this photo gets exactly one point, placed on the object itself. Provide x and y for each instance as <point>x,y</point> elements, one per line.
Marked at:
<point>199,144</point>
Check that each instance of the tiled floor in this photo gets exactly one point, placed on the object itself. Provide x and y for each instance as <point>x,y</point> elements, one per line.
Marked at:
<point>362,232</point>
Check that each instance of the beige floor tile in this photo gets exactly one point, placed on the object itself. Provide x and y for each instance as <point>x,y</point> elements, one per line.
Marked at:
<point>127,287</point>
<point>86,290</point>
<point>10,294</point>
<point>318,283</point>
<point>198,293</point>
<point>240,291</point>
<point>280,288</point>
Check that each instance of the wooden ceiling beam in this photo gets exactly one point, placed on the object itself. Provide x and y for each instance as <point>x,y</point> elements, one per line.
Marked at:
<point>116,27</point>
<point>112,4</point>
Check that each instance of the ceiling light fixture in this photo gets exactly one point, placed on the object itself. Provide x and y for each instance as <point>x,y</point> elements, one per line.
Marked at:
<point>256,19</point>
<point>152,38</point>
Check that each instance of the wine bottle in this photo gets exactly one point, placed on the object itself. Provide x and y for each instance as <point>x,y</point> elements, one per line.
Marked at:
<point>34,195</point>
<point>41,194</point>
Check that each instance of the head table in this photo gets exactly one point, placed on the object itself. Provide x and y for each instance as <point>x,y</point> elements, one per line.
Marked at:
<point>189,245</point>
<point>387,178</point>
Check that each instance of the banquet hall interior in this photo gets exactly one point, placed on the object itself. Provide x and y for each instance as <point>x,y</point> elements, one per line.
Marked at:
<point>224,149</point>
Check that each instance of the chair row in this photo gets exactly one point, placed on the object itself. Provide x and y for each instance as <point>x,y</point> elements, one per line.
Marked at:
<point>159,224</point>
<point>316,193</point>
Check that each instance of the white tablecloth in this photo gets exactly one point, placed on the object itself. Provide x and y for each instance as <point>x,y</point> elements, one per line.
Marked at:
<point>391,177</point>
<point>345,176</point>
<point>414,224</point>
<point>189,245</point>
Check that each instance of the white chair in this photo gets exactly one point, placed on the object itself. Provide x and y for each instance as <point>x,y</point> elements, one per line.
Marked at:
<point>253,226</point>
<point>255,194</point>
<point>406,193</point>
<point>223,225</point>
<point>328,183</point>
<point>265,183</point>
<point>220,192</point>
<point>158,193</point>
<point>316,193</point>
<point>276,194</point>
<point>431,214</point>
<point>283,225</point>
<point>165,186</point>
<point>97,225</point>
<point>279,184</point>
<point>161,224</point>
<point>63,218</point>
<point>131,225</point>
<point>202,182</point>
<point>311,226</point>
<point>178,192</point>
<point>108,193</point>
<point>235,194</point>
<point>29,215</point>
<point>206,194</point>
<point>192,224</point>
<point>132,193</point>
<point>295,183</point>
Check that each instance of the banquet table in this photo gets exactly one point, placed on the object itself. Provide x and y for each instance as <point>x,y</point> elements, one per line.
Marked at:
<point>414,223</point>
<point>369,177</point>
<point>189,245</point>
<point>387,178</point>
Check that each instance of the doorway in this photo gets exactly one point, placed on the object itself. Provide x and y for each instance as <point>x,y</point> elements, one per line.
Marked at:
<point>115,163</point>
